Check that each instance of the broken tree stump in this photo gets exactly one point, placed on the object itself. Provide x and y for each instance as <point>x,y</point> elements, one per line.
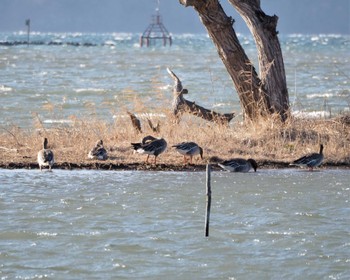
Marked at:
<point>181,105</point>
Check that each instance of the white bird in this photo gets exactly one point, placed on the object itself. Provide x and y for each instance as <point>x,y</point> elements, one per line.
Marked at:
<point>98,152</point>
<point>189,149</point>
<point>239,165</point>
<point>150,146</point>
<point>311,160</point>
<point>45,156</point>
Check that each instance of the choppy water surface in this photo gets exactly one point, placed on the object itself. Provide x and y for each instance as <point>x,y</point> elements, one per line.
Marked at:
<point>102,75</point>
<point>273,224</point>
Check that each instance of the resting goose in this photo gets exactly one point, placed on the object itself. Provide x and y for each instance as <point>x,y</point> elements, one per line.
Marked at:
<point>239,165</point>
<point>45,156</point>
<point>189,149</point>
<point>98,152</point>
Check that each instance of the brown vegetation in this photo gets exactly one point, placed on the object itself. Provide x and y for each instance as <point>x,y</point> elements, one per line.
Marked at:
<point>271,143</point>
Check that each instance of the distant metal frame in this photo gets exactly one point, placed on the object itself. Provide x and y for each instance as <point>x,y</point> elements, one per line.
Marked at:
<point>155,31</point>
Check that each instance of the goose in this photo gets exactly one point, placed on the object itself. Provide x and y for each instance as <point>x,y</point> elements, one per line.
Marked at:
<point>98,152</point>
<point>45,156</point>
<point>310,160</point>
<point>239,165</point>
<point>150,146</point>
<point>189,149</point>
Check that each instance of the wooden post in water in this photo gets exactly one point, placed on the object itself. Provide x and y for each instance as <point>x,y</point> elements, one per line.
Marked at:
<point>28,30</point>
<point>208,193</point>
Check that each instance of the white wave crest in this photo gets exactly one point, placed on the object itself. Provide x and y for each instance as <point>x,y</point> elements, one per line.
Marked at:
<point>57,121</point>
<point>319,95</point>
<point>4,88</point>
<point>313,114</point>
<point>89,89</point>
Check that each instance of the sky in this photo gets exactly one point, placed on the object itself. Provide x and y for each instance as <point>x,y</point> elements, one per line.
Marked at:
<point>295,16</point>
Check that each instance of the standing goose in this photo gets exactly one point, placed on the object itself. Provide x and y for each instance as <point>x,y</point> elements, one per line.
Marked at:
<point>98,152</point>
<point>311,160</point>
<point>150,146</point>
<point>239,165</point>
<point>45,156</point>
<point>189,149</point>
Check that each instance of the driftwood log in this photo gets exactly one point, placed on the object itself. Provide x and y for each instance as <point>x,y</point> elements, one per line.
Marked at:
<point>181,105</point>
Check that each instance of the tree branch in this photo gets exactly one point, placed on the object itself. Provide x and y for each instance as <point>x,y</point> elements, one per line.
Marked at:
<point>181,105</point>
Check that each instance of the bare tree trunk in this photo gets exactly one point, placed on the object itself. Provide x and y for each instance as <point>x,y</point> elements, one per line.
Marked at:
<point>271,65</point>
<point>257,97</point>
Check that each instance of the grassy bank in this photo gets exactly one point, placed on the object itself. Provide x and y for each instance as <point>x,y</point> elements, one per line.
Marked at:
<point>269,142</point>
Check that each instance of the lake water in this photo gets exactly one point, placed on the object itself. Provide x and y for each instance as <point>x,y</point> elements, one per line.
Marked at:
<point>273,224</point>
<point>102,75</point>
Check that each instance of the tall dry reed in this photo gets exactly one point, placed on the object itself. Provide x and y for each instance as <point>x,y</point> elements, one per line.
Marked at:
<point>266,140</point>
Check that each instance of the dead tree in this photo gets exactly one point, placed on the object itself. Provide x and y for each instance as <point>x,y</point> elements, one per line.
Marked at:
<point>181,105</point>
<point>259,96</point>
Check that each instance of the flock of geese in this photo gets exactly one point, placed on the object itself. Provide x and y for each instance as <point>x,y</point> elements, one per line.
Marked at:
<point>150,145</point>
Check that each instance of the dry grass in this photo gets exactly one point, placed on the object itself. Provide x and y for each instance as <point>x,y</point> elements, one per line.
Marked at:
<point>267,140</point>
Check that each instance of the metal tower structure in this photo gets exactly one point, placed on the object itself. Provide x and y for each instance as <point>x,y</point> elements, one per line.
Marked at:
<point>155,31</point>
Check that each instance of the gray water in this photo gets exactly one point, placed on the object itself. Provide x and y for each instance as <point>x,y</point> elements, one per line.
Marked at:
<point>57,82</point>
<point>273,224</point>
